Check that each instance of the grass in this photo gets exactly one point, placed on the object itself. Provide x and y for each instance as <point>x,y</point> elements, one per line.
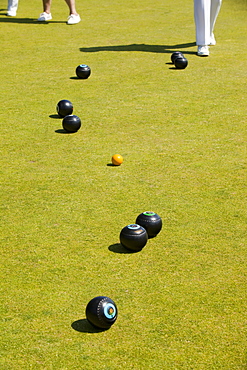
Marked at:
<point>182,299</point>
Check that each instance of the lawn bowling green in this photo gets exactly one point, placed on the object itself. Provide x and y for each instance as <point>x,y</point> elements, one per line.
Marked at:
<point>181,299</point>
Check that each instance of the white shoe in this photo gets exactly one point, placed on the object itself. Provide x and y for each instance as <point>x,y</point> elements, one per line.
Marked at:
<point>11,13</point>
<point>212,40</point>
<point>203,51</point>
<point>73,19</point>
<point>44,17</point>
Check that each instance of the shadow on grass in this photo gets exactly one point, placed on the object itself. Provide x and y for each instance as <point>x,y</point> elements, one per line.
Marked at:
<point>177,69</point>
<point>111,165</point>
<point>75,78</point>
<point>7,19</point>
<point>84,326</point>
<point>119,248</point>
<point>141,47</point>
<point>62,131</point>
<point>56,116</point>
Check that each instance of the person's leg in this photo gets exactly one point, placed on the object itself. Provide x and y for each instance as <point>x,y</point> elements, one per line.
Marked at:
<point>47,6</point>
<point>74,16</point>
<point>202,21</point>
<point>215,8</point>
<point>46,15</point>
<point>71,5</point>
<point>12,7</point>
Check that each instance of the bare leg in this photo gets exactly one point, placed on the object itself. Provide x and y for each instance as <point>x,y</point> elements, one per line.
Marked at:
<point>73,15</point>
<point>71,5</point>
<point>47,6</point>
<point>46,15</point>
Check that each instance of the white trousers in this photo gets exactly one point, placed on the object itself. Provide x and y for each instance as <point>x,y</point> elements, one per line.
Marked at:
<point>12,5</point>
<point>205,13</point>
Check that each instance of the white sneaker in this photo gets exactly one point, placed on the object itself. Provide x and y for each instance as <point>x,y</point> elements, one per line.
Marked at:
<point>203,51</point>
<point>11,13</point>
<point>212,40</point>
<point>73,19</point>
<point>44,17</point>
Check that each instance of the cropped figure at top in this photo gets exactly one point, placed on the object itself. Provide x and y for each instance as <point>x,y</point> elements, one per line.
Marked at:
<point>12,8</point>
<point>46,15</point>
<point>205,13</point>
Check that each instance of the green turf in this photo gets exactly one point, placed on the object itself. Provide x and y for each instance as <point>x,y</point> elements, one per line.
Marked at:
<point>182,299</point>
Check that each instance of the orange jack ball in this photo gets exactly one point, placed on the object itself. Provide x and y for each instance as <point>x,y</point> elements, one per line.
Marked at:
<point>117,159</point>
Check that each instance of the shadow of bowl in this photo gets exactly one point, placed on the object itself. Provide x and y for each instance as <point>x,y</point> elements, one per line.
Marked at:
<point>62,131</point>
<point>56,116</point>
<point>177,69</point>
<point>84,326</point>
<point>119,248</point>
